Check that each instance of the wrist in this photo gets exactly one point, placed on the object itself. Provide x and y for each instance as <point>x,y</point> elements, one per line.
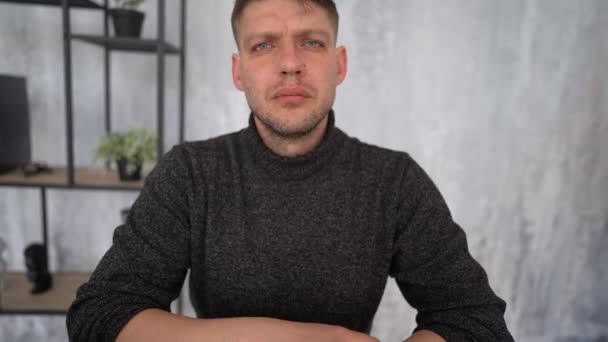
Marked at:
<point>425,336</point>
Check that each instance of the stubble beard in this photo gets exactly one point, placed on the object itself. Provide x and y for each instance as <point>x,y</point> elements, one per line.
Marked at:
<point>277,127</point>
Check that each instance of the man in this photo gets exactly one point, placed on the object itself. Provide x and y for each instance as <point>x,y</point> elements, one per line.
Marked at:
<point>289,227</point>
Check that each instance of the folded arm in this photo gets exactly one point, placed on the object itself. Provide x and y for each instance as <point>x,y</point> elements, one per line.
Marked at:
<point>435,271</point>
<point>147,262</point>
<point>156,326</point>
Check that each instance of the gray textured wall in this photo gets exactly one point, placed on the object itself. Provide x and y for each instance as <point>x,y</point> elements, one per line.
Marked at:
<point>504,103</point>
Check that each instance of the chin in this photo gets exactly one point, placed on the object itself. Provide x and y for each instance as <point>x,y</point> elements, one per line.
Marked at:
<point>290,123</point>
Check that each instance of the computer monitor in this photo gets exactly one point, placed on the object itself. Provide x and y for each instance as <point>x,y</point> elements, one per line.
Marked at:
<point>15,146</point>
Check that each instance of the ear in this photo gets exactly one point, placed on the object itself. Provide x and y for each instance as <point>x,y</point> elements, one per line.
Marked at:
<point>236,71</point>
<point>342,63</point>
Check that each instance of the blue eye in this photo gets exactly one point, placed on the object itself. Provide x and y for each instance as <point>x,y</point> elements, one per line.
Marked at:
<point>313,43</point>
<point>262,46</point>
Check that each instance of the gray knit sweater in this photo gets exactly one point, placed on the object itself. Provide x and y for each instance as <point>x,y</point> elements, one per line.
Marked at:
<point>308,239</point>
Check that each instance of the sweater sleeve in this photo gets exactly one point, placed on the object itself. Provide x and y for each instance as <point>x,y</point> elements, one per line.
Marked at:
<point>148,260</point>
<point>435,272</point>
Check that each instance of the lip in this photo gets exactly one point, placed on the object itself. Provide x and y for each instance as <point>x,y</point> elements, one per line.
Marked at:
<point>292,92</point>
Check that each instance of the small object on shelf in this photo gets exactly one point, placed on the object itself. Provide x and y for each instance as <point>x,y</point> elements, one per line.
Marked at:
<point>130,150</point>
<point>37,268</point>
<point>127,21</point>
<point>34,168</point>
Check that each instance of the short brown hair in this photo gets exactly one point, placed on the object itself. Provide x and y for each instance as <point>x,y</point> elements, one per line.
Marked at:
<point>328,5</point>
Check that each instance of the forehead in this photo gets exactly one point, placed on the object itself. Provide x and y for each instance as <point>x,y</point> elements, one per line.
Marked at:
<point>266,15</point>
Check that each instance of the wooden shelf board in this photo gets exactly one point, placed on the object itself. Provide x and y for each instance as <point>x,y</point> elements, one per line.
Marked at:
<point>59,176</point>
<point>104,178</point>
<point>73,3</point>
<point>126,43</point>
<point>83,177</point>
<point>15,297</point>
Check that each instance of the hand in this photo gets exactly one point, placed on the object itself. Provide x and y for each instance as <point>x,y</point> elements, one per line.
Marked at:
<point>280,330</point>
<point>347,335</point>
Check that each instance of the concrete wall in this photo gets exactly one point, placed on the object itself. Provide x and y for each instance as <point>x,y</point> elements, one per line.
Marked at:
<point>504,103</point>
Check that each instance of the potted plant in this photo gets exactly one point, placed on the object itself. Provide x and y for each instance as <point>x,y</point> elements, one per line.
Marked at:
<point>130,150</point>
<point>127,20</point>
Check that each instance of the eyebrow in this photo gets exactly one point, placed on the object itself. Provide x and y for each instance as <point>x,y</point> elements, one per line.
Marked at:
<point>268,35</point>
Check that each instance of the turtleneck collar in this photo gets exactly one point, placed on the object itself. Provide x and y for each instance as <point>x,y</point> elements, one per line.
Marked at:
<point>299,167</point>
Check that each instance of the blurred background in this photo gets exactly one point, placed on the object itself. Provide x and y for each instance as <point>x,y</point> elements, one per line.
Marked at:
<point>503,103</point>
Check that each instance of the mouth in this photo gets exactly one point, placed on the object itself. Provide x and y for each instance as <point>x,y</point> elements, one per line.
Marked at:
<point>292,95</point>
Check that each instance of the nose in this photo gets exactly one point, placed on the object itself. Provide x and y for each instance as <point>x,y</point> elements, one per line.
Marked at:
<point>291,62</point>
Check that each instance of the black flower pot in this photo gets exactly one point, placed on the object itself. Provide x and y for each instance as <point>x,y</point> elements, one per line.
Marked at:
<point>127,23</point>
<point>128,171</point>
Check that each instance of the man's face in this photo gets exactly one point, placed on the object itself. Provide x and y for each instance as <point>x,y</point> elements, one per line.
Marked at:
<point>288,64</point>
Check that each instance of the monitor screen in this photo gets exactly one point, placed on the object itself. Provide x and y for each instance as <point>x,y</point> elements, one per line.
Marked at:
<point>14,123</point>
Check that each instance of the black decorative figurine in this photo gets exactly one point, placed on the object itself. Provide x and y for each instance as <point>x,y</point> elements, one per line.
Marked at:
<point>37,268</point>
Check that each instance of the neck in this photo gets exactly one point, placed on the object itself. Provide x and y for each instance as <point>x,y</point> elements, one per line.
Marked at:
<point>291,147</point>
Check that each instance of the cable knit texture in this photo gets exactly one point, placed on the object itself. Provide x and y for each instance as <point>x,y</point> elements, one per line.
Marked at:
<point>311,238</point>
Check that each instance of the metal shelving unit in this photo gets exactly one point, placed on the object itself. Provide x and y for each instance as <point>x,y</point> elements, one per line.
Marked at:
<point>14,299</point>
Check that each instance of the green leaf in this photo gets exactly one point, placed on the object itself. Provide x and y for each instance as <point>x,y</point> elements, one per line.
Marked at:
<point>137,146</point>
<point>127,4</point>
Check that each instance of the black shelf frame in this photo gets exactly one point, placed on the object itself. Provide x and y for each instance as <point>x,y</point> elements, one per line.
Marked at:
<point>33,312</point>
<point>157,45</point>
<point>108,43</point>
<point>126,44</point>
<point>73,3</point>
<point>72,187</point>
